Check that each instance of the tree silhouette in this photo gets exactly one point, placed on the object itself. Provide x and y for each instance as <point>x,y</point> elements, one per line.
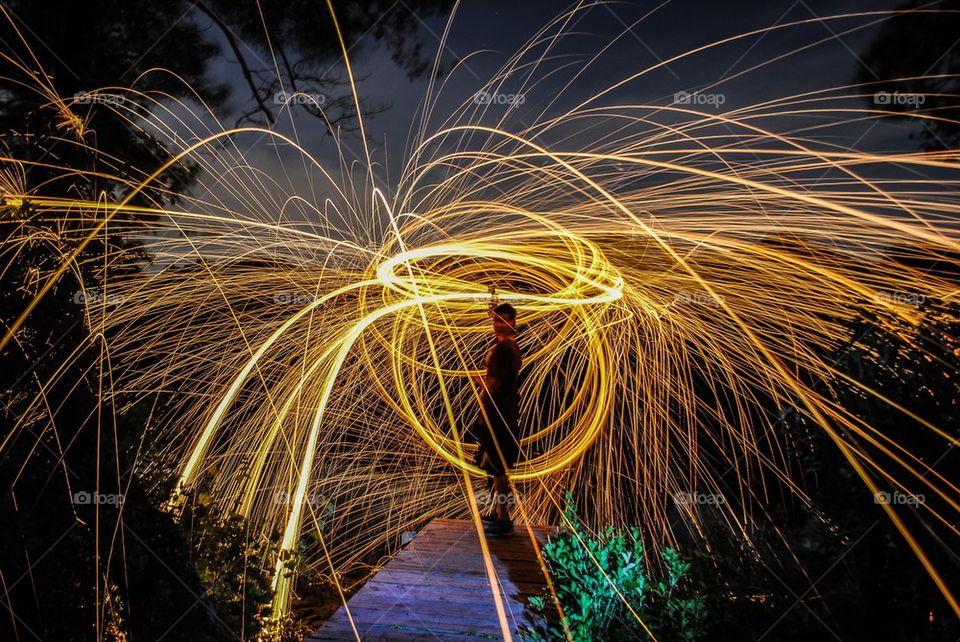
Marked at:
<point>290,48</point>
<point>912,68</point>
<point>71,570</point>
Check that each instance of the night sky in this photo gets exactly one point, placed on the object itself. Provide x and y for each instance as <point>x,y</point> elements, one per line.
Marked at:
<point>628,36</point>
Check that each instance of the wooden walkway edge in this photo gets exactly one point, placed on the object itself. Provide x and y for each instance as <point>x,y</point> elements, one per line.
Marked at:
<point>436,588</point>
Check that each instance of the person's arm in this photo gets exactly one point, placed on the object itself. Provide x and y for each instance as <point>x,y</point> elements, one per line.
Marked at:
<point>490,384</point>
<point>497,369</point>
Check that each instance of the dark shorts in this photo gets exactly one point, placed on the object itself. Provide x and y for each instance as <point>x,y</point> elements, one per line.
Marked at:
<point>498,450</point>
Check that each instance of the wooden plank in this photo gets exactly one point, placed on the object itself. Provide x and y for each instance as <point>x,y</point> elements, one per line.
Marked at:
<point>464,619</point>
<point>523,548</point>
<point>429,609</point>
<point>466,624</point>
<point>475,582</point>
<point>387,633</point>
<point>507,557</point>
<point>437,588</point>
<point>467,591</point>
<point>436,604</point>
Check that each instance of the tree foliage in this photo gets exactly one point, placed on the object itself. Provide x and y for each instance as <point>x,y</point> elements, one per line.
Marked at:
<point>605,592</point>
<point>915,55</point>
<point>75,571</point>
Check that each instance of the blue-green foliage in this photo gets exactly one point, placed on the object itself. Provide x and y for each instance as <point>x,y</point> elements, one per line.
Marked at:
<point>597,576</point>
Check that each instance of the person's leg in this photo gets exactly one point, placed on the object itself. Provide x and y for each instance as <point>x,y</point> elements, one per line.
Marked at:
<point>501,456</point>
<point>509,451</point>
<point>501,524</point>
<point>501,488</point>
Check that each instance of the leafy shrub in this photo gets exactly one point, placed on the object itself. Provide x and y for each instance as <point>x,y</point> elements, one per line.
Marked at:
<point>605,593</point>
<point>229,567</point>
<point>286,628</point>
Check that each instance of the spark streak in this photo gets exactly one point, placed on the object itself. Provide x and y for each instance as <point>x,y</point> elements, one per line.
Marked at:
<point>324,348</point>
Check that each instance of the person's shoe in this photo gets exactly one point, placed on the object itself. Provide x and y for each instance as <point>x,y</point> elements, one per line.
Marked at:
<point>489,518</point>
<point>499,527</point>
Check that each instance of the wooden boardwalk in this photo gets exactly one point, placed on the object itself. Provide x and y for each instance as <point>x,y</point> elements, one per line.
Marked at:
<point>436,588</point>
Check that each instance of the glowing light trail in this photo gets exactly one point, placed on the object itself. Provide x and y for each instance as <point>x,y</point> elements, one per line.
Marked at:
<point>677,275</point>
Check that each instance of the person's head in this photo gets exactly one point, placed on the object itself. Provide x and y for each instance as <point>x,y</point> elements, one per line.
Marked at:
<point>504,320</point>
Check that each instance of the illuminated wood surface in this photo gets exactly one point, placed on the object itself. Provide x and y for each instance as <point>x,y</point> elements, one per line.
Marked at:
<point>436,588</point>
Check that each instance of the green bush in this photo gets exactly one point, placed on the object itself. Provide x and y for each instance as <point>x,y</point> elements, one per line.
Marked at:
<point>286,628</point>
<point>597,577</point>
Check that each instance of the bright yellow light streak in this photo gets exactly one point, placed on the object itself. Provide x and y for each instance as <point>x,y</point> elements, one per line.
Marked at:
<point>678,255</point>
